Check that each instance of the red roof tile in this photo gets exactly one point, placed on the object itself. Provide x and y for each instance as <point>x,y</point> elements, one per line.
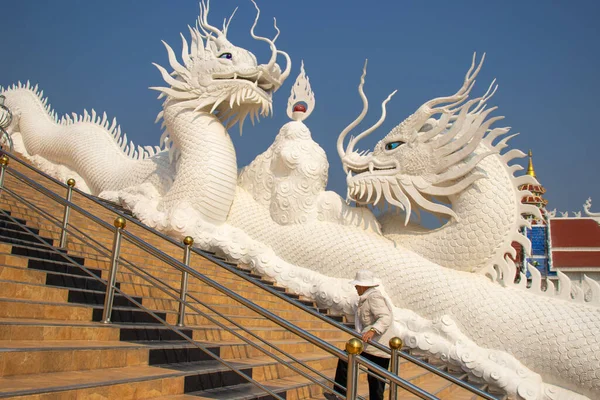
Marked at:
<point>574,232</point>
<point>570,259</point>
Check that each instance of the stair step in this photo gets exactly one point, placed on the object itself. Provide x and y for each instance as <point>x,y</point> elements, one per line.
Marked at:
<point>128,314</point>
<point>36,291</point>
<point>53,273</point>
<point>32,291</point>
<point>31,357</point>
<point>16,234</point>
<point>7,226</point>
<point>151,332</point>
<point>6,218</point>
<point>21,274</point>
<point>114,383</point>
<point>247,391</point>
<point>73,281</point>
<point>194,376</point>
<point>41,330</point>
<point>15,308</point>
<point>44,265</point>
<point>32,252</point>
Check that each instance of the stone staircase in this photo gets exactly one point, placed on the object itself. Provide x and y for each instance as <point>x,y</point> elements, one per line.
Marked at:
<point>53,345</point>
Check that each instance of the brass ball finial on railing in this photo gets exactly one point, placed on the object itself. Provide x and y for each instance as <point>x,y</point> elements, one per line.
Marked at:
<point>120,222</point>
<point>395,343</point>
<point>71,182</point>
<point>354,346</point>
<point>4,159</point>
<point>188,240</point>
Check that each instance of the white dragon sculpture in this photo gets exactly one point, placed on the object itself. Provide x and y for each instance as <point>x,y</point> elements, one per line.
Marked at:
<point>277,217</point>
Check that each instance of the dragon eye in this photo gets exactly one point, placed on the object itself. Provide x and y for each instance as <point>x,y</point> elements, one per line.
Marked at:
<point>226,55</point>
<point>393,145</point>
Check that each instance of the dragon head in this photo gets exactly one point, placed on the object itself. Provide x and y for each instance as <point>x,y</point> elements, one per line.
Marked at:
<point>424,160</point>
<point>220,78</point>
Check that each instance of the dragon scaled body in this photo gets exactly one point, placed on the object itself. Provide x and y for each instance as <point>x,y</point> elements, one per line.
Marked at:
<point>277,217</point>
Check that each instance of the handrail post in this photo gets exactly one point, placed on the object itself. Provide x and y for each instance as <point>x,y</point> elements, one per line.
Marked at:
<point>5,121</point>
<point>120,224</point>
<point>3,163</point>
<point>353,347</point>
<point>63,233</point>
<point>188,241</point>
<point>395,346</point>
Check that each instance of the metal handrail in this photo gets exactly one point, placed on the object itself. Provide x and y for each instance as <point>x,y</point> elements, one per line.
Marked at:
<point>157,282</point>
<point>167,259</point>
<point>183,268</point>
<point>138,304</point>
<point>174,263</point>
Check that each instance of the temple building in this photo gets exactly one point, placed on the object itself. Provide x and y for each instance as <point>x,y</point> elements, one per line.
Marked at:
<point>570,245</point>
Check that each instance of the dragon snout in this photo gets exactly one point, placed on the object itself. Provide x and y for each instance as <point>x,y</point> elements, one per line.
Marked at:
<point>356,162</point>
<point>360,163</point>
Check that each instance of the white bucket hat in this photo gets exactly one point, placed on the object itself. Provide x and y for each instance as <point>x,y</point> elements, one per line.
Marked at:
<point>364,278</point>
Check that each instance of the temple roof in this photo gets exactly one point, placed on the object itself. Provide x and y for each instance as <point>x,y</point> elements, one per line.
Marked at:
<point>536,200</point>
<point>537,190</point>
<point>575,243</point>
<point>533,188</point>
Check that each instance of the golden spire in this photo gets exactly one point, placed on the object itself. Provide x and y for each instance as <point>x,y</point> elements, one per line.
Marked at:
<point>530,170</point>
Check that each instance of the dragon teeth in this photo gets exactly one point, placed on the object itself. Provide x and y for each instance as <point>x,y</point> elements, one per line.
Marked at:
<point>257,78</point>
<point>378,190</point>
<point>369,186</point>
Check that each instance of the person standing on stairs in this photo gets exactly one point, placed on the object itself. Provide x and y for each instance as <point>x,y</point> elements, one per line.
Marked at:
<point>373,319</point>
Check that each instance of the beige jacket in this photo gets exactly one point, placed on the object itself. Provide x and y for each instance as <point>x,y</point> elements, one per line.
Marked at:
<point>373,311</point>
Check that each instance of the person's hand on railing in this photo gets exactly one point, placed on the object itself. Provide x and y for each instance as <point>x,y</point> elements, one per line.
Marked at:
<point>368,335</point>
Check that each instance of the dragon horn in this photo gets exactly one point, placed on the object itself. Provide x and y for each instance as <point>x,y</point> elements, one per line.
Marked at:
<point>462,93</point>
<point>429,108</point>
<point>358,120</point>
<point>288,62</point>
<point>264,39</point>
<point>288,66</point>
<point>367,132</point>
<point>203,20</point>
<point>226,22</point>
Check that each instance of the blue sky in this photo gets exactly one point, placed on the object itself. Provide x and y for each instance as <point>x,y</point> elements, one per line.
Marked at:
<point>545,56</point>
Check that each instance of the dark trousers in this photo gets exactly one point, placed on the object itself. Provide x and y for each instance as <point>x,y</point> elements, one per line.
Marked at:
<point>376,387</point>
